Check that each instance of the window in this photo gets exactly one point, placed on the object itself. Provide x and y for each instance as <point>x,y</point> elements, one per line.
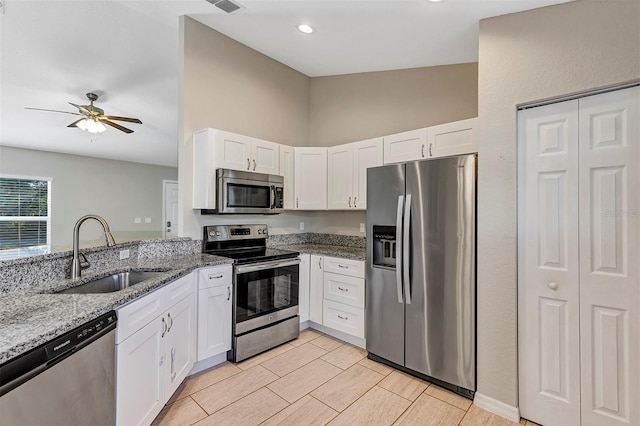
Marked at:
<point>25,221</point>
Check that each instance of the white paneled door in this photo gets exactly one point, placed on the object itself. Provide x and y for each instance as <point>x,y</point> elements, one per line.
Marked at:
<point>610,257</point>
<point>579,260</point>
<point>548,264</point>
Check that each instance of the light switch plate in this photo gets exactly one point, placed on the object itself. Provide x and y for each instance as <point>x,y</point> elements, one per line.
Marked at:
<point>137,220</point>
<point>147,220</point>
<point>362,227</point>
<point>302,226</point>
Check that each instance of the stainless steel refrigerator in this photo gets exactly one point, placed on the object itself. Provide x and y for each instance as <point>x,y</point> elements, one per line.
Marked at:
<point>421,274</point>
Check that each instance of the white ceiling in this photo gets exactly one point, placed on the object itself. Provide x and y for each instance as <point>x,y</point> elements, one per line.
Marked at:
<point>53,52</point>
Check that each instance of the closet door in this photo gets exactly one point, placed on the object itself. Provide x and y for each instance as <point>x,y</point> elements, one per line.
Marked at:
<point>610,257</point>
<point>548,287</point>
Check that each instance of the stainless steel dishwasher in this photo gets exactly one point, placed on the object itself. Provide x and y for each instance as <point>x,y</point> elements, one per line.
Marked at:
<point>67,381</point>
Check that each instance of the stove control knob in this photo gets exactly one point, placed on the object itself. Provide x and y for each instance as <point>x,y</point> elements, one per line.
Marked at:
<point>217,233</point>
<point>259,231</point>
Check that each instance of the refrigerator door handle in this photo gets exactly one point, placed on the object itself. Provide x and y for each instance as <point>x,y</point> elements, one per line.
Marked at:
<point>405,248</point>
<point>399,247</point>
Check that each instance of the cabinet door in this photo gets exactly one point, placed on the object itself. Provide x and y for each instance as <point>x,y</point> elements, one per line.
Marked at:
<point>233,151</point>
<point>303,285</point>
<point>338,265</point>
<point>366,154</point>
<point>311,178</point>
<point>458,137</point>
<point>140,312</point>
<point>609,217</point>
<point>139,378</point>
<point>204,170</point>
<point>214,321</point>
<point>265,157</point>
<point>340,177</point>
<point>287,171</point>
<point>345,318</point>
<point>406,146</point>
<point>316,293</point>
<point>344,289</point>
<point>179,343</point>
<point>548,282</point>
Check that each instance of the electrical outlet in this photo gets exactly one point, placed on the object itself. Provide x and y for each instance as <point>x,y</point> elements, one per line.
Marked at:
<point>362,227</point>
<point>124,254</point>
<point>147,220</point>
<point>302,226</point>
<point>137,220</point>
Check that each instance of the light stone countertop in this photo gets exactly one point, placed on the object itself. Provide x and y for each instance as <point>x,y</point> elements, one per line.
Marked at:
<point>355,253</point>
<point>31,317</point>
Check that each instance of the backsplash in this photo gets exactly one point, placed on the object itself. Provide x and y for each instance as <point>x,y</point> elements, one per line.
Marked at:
<point>23,273</point>
<point>316,238</point>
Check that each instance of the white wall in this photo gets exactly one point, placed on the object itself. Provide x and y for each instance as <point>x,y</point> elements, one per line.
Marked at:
<point>115,190</point>
<point>524,57</point>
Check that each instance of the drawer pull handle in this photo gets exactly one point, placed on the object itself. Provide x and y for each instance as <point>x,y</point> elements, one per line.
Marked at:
<point>342,266</point>
<point>422,151</point>
<point>349,202</point>
<point>228,292</point>
<point>430,154</point>
<point>254,165</point>
<point>171,323</point>
<point>164,327</point>
<point>343,289</point>
<point>343,318</point>
<point>248,164</point>
<point>215,277</point>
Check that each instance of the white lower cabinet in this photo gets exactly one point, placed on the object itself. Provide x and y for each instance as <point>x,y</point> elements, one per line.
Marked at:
<point>343,317</point>
<point>316,293</point>
<point>303,287</point>
<point>154,359</point>
<point>215,299</point>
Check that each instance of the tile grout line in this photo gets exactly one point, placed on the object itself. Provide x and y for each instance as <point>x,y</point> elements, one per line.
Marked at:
<point>201,407</point>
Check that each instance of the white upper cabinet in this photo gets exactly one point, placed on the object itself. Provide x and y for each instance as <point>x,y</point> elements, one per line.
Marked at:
<point>310,166</point>
<point>214,149</point>
<point>405,146</point>
<point>459,137</point>
<point>455,138</point>
<point>340,177</point>
<point>347,173</point>
<point>287,171</point>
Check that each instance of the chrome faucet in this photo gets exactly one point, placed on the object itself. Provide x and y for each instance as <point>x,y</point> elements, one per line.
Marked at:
<point>76,268</point>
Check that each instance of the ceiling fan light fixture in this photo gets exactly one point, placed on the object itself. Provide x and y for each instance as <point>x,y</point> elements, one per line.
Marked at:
<point>305,28</point>
<point>91,125</point>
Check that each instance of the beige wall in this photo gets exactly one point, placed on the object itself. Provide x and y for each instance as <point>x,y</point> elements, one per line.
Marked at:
<point>116,190</point>
<point>525,57</point>
<point>348,108</point>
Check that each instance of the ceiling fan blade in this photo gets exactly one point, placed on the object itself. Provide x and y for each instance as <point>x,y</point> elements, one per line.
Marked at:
<point>117,126</point>
<point>130,120</point>
<point>81,108</point>
<point>75,123</point>
<point>53,110</point>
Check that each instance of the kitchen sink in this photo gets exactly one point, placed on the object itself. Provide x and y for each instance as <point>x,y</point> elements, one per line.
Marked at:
<point>111,283</point>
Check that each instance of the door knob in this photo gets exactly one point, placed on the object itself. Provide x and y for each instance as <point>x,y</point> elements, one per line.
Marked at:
<point>553,286</point>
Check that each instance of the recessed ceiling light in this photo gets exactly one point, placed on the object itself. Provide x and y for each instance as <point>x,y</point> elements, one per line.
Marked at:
<point>435,1</point>
<point>307,29</point>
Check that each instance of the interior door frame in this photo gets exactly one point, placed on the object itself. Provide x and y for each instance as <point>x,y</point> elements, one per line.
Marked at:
<point>164,204</point>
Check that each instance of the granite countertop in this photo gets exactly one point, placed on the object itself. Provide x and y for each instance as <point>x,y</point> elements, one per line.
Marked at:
<point>29,318</point>
<point>355,253</point>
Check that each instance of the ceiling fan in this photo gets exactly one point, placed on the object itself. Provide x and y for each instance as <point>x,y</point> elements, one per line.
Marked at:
<point>93,118</point>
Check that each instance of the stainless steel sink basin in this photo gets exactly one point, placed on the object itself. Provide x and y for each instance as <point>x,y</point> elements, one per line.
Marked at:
<point>111,283</point>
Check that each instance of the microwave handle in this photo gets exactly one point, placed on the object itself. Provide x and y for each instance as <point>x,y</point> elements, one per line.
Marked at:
<point>273,195</point>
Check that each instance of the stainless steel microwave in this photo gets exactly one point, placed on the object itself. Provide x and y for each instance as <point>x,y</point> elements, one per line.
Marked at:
<point>241,192</point>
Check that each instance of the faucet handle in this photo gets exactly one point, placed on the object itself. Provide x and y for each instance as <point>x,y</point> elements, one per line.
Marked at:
<point>84,263</point>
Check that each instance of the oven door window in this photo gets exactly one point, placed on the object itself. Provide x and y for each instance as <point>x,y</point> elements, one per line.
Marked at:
<point>267,291</point>
<point>251,196</point>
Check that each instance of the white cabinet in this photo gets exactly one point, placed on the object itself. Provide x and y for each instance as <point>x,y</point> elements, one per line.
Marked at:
<point>154,350</point>
<point>578,269</point>
<point>347,173</point>
<point>458,137</point>
<point>316,292</point>
<point>344,289</point>
<point>405,146</point>
<point>310,178</point>
<point>303,287</point>
<point>343,293</point>
<point>214,311</point>
<point>455,138</point>
<point>287,171</point>
<point>344,318</point>
<point>214,149</point>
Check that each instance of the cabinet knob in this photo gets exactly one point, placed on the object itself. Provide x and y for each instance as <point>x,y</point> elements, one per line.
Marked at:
<point>553,286</point>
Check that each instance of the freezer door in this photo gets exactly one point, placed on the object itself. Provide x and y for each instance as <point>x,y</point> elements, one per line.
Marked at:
<point>440,319</point>
<point>384,305</point>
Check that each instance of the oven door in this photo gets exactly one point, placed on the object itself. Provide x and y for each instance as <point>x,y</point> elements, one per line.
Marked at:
<point>265,293</point>
<point>248,196</point>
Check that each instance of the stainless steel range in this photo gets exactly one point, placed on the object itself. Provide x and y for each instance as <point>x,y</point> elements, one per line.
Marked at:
<point>265,282</point>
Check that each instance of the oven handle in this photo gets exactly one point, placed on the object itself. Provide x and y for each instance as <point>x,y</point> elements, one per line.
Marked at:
<point>243,269</point>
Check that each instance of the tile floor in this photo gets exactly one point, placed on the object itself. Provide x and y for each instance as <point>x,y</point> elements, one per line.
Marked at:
<point>317,380</point>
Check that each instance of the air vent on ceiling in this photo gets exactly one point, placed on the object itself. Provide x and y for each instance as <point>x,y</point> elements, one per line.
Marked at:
<point>226,5</point>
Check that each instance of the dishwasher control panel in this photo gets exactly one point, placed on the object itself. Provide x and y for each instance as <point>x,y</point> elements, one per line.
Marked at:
<point>74,339</point>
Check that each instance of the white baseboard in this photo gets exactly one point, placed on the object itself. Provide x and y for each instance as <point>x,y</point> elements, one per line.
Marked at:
<point>208,363</point>
<point>497,407</point>
<point>304,325</point>
<point>355,341</point>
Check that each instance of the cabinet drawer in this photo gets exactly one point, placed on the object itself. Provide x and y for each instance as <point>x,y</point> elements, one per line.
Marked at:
<point>178,290</point>
<point>344,289</point>
<point>214,277</point>
<point>137,314</point>
<point>343,318</point>
<point>353,268</point>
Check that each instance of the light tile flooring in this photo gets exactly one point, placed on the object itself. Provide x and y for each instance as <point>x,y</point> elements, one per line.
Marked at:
<point>317,380</point>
